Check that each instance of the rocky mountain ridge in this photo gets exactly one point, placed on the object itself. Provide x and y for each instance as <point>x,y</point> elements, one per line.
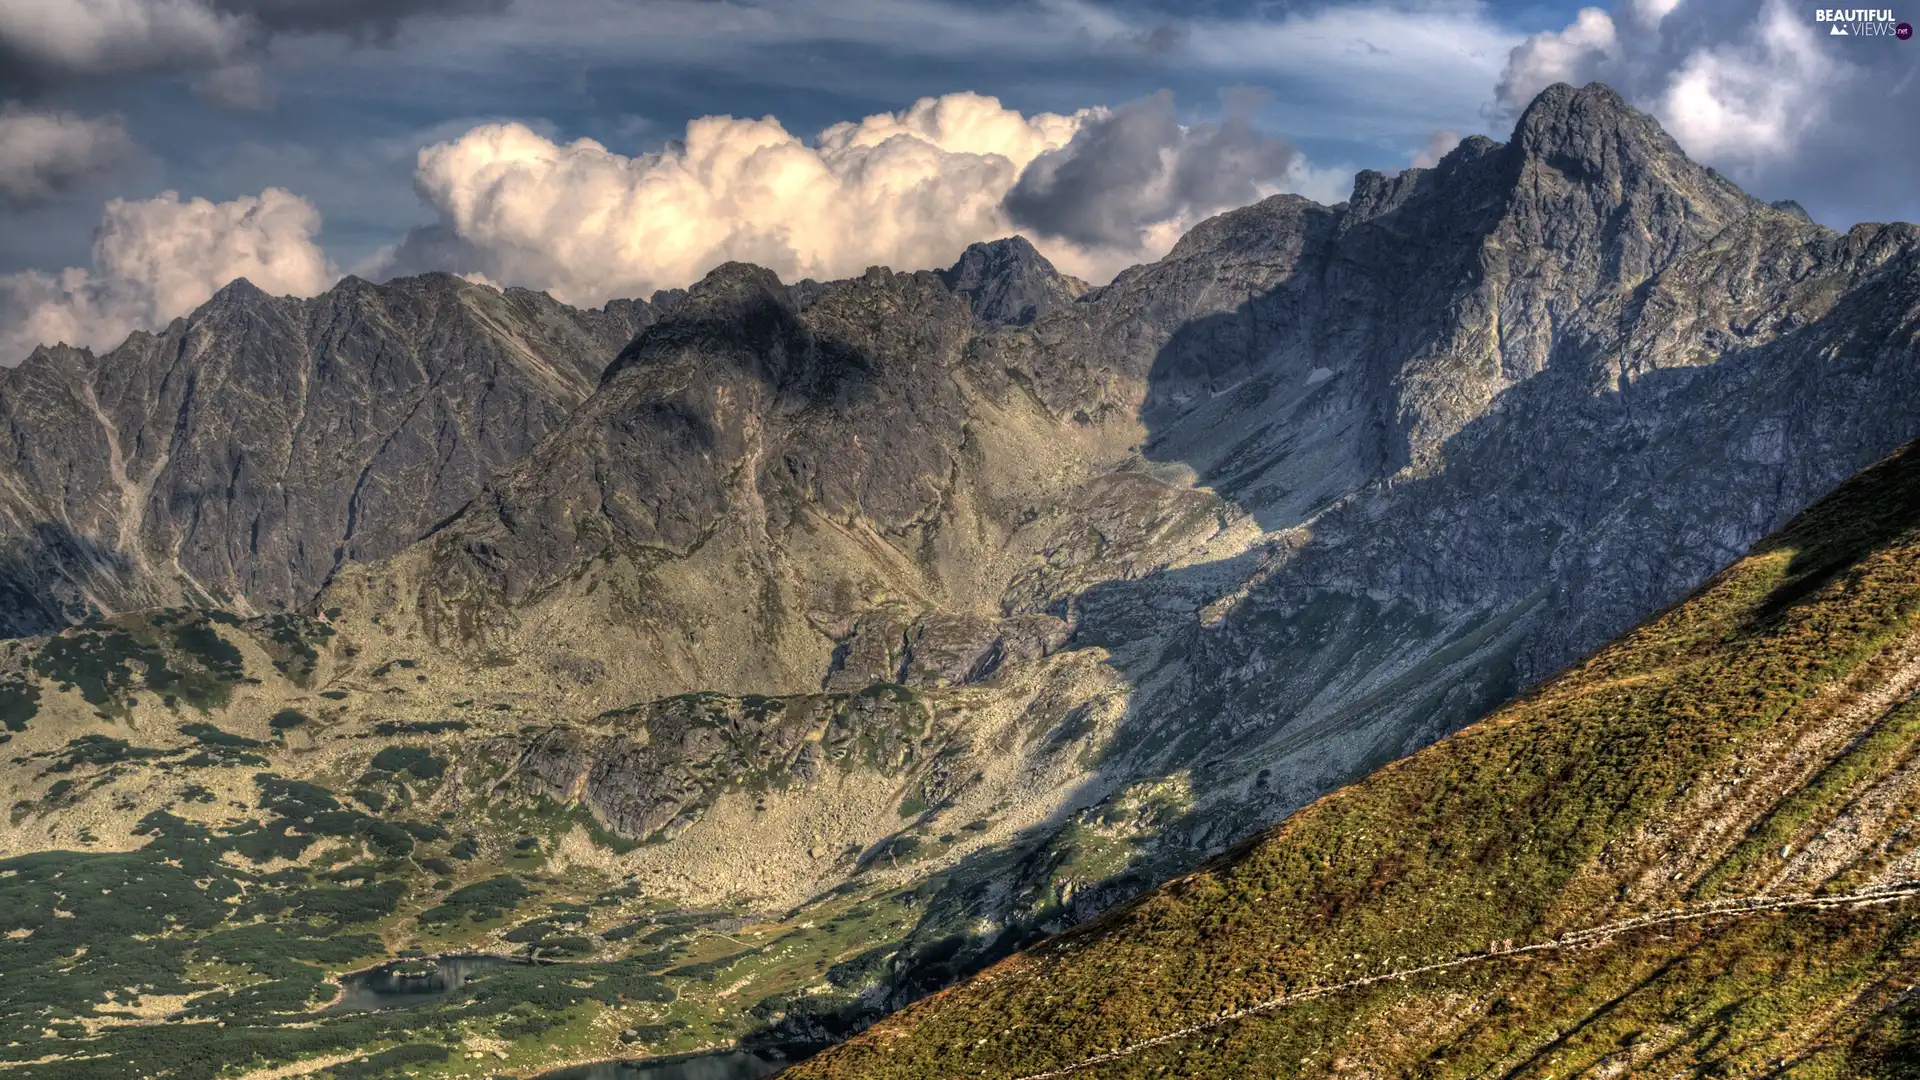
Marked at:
<point>241,455</point>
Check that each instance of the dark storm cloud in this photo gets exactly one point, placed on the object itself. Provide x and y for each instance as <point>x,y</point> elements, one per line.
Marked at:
<point>1139,165</point>
<point>50,43</point>
<point>47,43</point>
<point>362,20</point>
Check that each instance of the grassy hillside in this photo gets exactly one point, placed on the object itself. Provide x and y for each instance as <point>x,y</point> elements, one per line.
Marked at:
<point>1728,794</point>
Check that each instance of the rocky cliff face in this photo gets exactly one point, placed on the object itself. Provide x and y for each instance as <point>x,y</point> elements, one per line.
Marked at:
<point>759,473</point>
<point>1486,415</point>
<point>241,455</point>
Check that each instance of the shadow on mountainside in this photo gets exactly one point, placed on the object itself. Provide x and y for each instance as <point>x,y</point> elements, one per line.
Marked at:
<point>1583,500</point>
<point>38,592</point>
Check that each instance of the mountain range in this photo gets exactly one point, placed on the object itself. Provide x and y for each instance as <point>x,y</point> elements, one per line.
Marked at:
<point>909,619</point>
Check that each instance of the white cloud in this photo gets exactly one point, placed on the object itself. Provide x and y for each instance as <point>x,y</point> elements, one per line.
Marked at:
<point>908,190</point>
<point>962,123</point>
<point>1751,98</point>
<point>1574,55</point>
<point>1757,90</point>
<point>1651,12</point>
<point>45,150</point>
<point>159,258</point>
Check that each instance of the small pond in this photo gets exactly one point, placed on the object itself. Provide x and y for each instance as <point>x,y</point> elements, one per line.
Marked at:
<point>725,1065</point>
<point>406,983</point>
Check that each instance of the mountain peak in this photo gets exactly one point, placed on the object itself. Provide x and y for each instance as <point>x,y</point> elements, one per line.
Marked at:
<point>737,279</point>
<point>1584,154</point>
<point>1009,282</point>
<point>1591,132</point>
<point>1008,249</point>
<point>238,291</point>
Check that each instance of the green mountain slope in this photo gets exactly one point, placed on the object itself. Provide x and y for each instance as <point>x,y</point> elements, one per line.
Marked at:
<point>1693,854</point>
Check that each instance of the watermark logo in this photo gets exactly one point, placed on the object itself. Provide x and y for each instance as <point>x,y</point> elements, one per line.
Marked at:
<point>1862,22</point>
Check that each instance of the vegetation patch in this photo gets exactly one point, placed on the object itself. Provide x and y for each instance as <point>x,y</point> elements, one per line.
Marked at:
<point>1575,806</point>
<point>483,901</point>
<point>19,702</point>
<point>292,641</point>
<point>97,750</point>
<point>416,761</point>
<point>390,728</point>
<point>392,1062</point>
<point>217,747</point>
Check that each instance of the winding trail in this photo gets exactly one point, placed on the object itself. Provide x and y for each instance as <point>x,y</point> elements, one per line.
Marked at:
<point>1890,892</point>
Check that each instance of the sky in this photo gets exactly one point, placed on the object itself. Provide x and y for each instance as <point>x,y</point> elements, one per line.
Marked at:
<point>153,150</point>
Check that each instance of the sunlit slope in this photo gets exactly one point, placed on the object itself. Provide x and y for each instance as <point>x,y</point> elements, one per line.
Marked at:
<point>1726,795</point>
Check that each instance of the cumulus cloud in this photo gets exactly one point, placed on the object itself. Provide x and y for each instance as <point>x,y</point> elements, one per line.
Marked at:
<point>1574,55</point>
<point>1099,189</point>
<point>908,189</point>
<point>1751,98</point>
<point>1136,170</point>
<point>1759,91</point>
<point>156,259</point>
<point>43,151</point>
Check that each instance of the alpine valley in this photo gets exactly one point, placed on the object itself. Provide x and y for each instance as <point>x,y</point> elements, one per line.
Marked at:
<point>776,655</point>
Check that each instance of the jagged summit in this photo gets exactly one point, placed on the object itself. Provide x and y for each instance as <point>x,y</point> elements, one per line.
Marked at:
<point>239,290</point>
<point>1009,282</point>
<point>1563,118</point>
<point>1593,137</point>
<point>736,278</point>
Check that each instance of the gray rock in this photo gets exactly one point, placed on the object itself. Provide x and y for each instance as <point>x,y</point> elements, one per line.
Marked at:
<point>1010,283</point>
<point>242,454</point>
<point>653,769</point>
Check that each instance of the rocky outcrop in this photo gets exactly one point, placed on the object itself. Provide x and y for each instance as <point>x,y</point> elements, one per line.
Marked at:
<point>755,474</point>
<point>652,770</point>
<point>1009,283</point>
